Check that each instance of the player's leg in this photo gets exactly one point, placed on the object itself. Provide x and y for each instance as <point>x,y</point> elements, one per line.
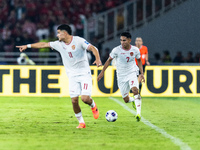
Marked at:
<point>133,82</point>
<point>88,100</point>
<point>124,89</point>
<point>128,99</point>
<point>75,105</point>
<point>123,84</point>
<point>74,94</point>
<point>138,102</point>
<point>86,91</point>
<point>78,113</point>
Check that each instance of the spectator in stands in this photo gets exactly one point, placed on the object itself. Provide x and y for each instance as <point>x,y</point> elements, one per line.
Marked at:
<point>73,28</point>
<point>6,32</point>
<point>120,19</point>
<point>31,10</point>
<point>20,9</point>
<point>79,28</point>
<point>197,58</point>
<point>110,4</point>
<point>189,58</point>
<point>11,4</point>
<point>166,57</point>
<point>8,44</point>
<point>52,21</point>
<point>1,25</point>
<point>45,7</point>
<point>29,27</point>
<point>24,60</point>
<point>157,58</point>
<point>41,31</point>
<point>12,17</point>
<point>4,11</point>
<point>91,27</point>
<point>100,7</point>
<point>18,36</point>
<point>44,20</point>
<point>178,58</point>
<point>1,42</point>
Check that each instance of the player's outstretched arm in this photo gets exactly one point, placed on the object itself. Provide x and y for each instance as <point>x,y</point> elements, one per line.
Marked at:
<point>96,54</point>
<point>35,45</point>
<point>141,76</point>
<point>107,63</point>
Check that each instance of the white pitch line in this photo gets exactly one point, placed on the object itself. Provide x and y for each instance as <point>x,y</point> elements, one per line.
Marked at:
<point>176,141</point>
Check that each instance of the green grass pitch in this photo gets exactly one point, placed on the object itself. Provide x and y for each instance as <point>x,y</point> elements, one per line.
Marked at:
<point>48,123</point>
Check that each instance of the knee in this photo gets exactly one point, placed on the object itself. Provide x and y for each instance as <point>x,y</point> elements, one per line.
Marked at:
<point>85,99</point>
<point>126,99</point>
<point>135,90</point>
<point>74,101</point>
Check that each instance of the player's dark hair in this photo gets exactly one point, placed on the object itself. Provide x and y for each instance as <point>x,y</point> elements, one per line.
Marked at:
<point>126,34</point>
<point>66,28</point>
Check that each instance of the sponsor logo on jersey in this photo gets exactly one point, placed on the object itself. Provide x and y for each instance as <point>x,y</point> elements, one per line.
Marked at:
<point>131,53</point>
<point>73,47</point>
<point>86,42</point>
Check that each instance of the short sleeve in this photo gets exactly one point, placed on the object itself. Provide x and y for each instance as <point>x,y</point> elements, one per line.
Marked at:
<point>54,45</point>
<point>85,44</point>
<point>137,54</point>
<point>113,53</point>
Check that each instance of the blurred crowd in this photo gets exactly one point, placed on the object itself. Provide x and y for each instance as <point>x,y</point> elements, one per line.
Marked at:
<point>27,21</point>
<point>165,58</point>
<point>179,58</point>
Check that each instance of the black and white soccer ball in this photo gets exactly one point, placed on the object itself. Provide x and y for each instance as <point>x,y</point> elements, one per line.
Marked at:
<point>111,116</point>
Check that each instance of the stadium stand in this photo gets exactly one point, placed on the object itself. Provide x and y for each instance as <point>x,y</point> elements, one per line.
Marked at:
<point>26,21</point>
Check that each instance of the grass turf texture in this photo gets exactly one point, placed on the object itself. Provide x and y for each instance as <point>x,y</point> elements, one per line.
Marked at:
<point>44,123</point>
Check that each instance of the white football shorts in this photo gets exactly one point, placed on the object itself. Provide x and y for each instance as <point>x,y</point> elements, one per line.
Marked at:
<point>80,85</point>
<point>126,83</point>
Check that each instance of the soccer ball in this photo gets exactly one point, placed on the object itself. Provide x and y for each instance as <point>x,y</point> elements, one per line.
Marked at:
<point>111,116</point>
